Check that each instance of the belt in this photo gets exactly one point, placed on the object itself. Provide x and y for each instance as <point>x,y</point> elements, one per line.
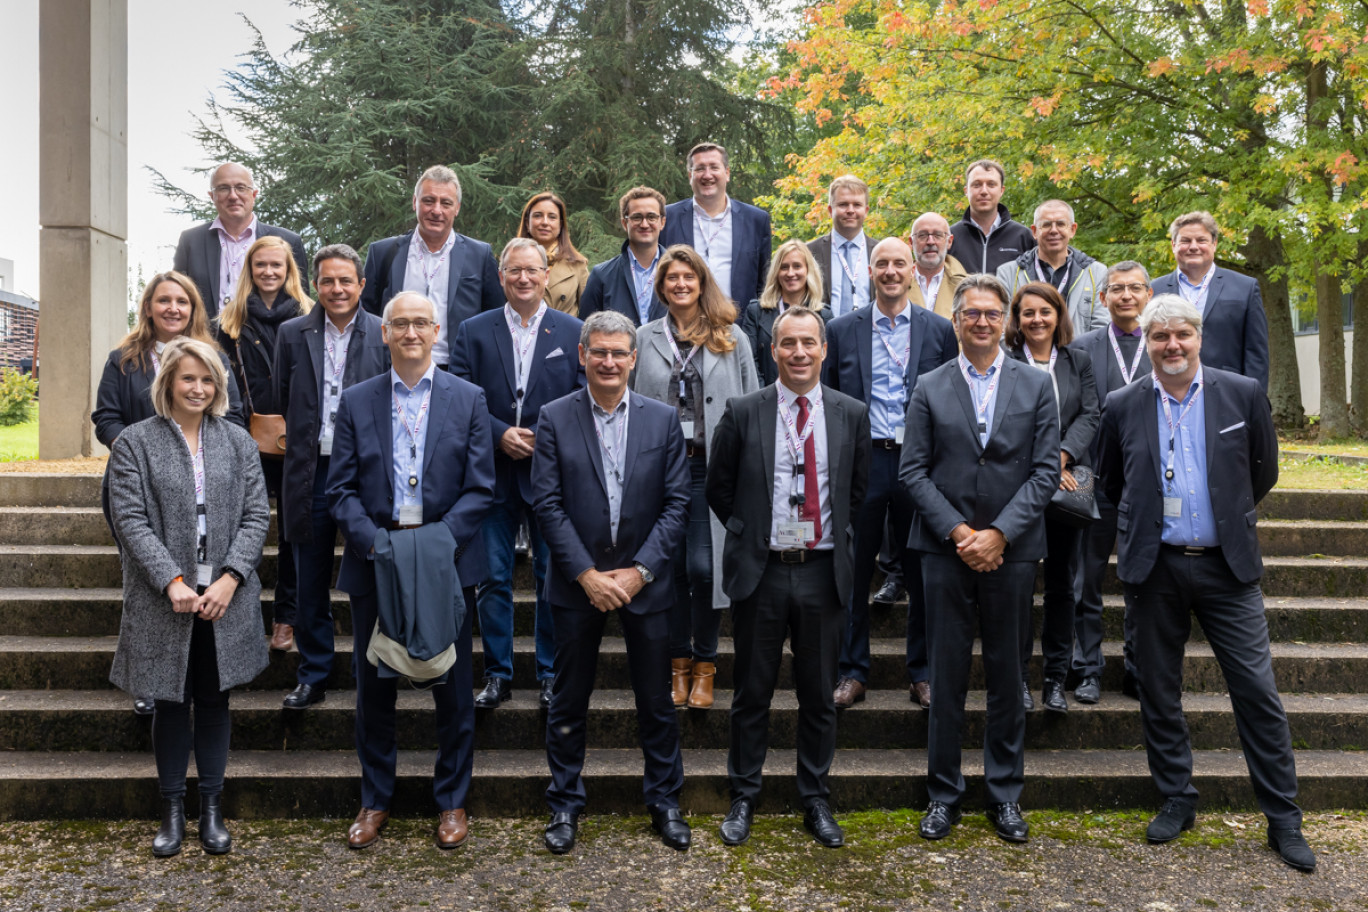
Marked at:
<point>885,443</point>
<point>691,450</point>
<point>800,556</point>
<point>1190,550</point>
<point>395,526</point>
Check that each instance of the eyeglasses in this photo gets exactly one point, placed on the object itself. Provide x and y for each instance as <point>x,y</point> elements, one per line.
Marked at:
<point>930,236</point>
<point>609,354</point>
<point>973,316</point>
<point>403,326</point>
<point>1053,224</point>
<point>517,272</point>
<point>1134,288</point>
<point>239,189</point>
<point>644,218</point>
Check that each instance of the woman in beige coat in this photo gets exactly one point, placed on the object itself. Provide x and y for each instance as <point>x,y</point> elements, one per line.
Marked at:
<point>544,221</point>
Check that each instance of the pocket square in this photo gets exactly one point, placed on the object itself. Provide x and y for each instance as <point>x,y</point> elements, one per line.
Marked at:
<point>558,353</point>
<point>1233,427</point>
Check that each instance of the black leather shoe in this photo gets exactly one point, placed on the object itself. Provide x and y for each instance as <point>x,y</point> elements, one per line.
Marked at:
<point>889,593</point>
<point>673,828</point>
<point>735,828</point>
<point>1291,845</point>
<point>171,833</point>
<point>1008,822</point>
<point>496,690</point>
<point>1089,690</point>
<point>1175,816</point>
<point>823,826</point>
<point>213,835</point>
<point>1130,685</point>
<point>144,706</point>
<point>1027,701</point>
<point>1052,696</point>
<point>939,820</point>
<point>560,832</point>
<point>545,698</point>
<point>304,696</point>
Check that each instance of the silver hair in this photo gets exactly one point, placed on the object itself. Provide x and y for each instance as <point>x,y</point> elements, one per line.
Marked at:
<point>438,174</point>
<point>1169,308</point>
<point>928,215</point>
<point>389,305</point>
<point>608,323</point>
<point>979,281</point>
<point>251,178</point>
<point>1035,218</point>
<point>1128,266</point>
<point>520,243</point>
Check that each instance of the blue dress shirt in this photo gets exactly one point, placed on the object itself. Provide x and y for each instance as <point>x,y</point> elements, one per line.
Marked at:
<point>643,283</point>
<point>408,454</point>
<point>1196,526</point>
<point>979,385</point>
<point>888,380</point>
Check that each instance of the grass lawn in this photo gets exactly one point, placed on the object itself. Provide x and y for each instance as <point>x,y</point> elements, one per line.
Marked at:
<point>1346,446</point>
<point>19,442</point>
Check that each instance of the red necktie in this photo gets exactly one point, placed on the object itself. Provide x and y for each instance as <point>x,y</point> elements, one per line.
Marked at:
<point>811,508</point>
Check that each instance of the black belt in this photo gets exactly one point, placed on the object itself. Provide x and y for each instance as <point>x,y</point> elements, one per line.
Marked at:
<point>692,450</point>
<point>885,443</point>
<point>1190,550</point>
<point>800,556</point>
<point>397,526</point>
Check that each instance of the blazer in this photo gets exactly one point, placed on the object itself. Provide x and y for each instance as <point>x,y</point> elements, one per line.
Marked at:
<point>571,499</point>
<point>564,285</point>
<point>724,376</point>
<point>198,252</point>
<point>945,295</point>
<point>1079,411</point>
<point>458,473</point>
<point>472,282</point>
<point>751,242</point>
<point>483,354</point>
<point>740,488</point>
<point>821,252</point>
<point>1234,326</point>
<point>849,364</point>
<point>610,286</point>
<point>298,383</point>
<point>758,325</point>
<point>152,492</point>
<point>1242,467</point>
<point>954,479</point>
<point>124,397</point>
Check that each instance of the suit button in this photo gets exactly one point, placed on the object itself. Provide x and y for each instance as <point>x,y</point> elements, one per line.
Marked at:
<point>608,550</point>
<point>709,399</point>
<point>1158,524</point>
<point>982,461</point>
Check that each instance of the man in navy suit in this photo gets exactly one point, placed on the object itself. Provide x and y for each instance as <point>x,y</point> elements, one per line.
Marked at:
<point>626,283</point>
<point>1234,325</point>
<point>876,354</point>
<point>732,237</point>
<point>1187,454</point>
<point>413,447</point>
<point>317,356</point>
<point>523,356</point>
<point>456,271</point>
<point>599,449</point>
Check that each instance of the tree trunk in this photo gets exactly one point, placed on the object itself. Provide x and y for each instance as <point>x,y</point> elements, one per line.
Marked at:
<point>1358,373</point>
<point>1264,254</point>
<point>1334,407</point>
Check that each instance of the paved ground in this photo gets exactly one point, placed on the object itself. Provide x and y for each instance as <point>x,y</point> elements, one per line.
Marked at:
<point>1074,861</point>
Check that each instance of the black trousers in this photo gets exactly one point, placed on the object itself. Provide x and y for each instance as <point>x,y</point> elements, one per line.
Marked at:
<point>1232,617</point>
<point>578,637</point>
<point>1057,629</point>
<point>995,602</point>
<point>286,579</point>
<point>1098,541</point>
<point>174,734</point>
<point>798,603</point>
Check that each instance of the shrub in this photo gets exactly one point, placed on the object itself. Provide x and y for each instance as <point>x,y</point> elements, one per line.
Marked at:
<point>17,394</point>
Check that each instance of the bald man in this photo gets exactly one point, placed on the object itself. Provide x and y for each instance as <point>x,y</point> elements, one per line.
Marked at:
<point>938,274</point>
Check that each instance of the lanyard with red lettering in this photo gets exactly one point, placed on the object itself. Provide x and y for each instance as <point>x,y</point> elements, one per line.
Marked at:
<point>907,351</point>
<point>981,408</point>
<point>709,238</point>
<point>613,456</point>
<point>1168,417</point>
<point>413,432</point>
<point>1126,375</point>
<point>523,342</point>
<point>437,260</point>
<point>682,361</point>
<point>796,439</point>
<point>339,364</point>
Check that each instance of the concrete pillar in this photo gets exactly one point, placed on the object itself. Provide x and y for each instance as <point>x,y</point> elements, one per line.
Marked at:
<point>83,208</point>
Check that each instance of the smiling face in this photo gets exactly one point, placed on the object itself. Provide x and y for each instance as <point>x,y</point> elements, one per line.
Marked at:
<point>848,211</point>
<point>1194,249</point>
<point>268,271</point>
<point>608,363</point>
<point>793,276</point>
<point>1038,320</point>
<point>1054,230</point>
<point>931,242</point>
<point>1174,347</point>
<point>1126,295</point>
<point>708,176</point>
<point>170,311</point>
<point>410,330</point>
<point>891,268</point>
<point>523,277</point>
<point>544,223</point>
<point>436,206</point>
<point>798,350</point>
<point>984,190</point>
<point>192,388</point>
<point>643,222</point>
<point>339,288</point>
<point>979,324</point>
<point>233,194</point>
<point>681,286</point>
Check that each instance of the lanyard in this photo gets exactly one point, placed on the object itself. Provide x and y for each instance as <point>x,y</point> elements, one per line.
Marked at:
<point>197,466</point>
<point>845,266</point>
<point>709,238</point>
<point>235,263</point>
<point>1126,375</point>
<point>156,363</point>
<point>907,351</point>
<point>338,364</point>
<point>613,456</point>
<point>682,361</point>
<point>645,284</point>
<point>426,256</point>
<point>523,342</point>
<point>1054,356</point>
<point>981,408</point>
<point>413,432</point>
<point>1198,291</point>
<point>1063,279</point>
<point>1168,417</point>
<point>796,439</point>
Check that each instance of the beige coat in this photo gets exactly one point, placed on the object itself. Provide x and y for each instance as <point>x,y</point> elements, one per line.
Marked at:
<point>945,295</point>
<point>565,284</point>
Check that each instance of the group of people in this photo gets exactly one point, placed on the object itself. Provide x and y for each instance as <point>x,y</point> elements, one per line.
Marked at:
<point>697,424</point>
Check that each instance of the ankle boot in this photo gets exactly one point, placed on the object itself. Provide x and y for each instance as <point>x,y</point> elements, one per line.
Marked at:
<point>213,835</point>
<point>680,672</point>
<point>169,836</point>
<point>701,697</point>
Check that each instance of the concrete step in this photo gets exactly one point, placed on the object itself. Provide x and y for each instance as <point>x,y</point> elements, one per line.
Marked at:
<point>1290,503</point>
<point>49,489</point>
<point>101,720</point>
<point>282,784</point>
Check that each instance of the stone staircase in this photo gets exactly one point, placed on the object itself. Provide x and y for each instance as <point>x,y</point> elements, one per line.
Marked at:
<point>70,745</point>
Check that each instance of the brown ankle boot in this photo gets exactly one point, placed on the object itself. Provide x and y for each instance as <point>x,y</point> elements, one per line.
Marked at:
<point>701,697</point>
<point>680,670</point>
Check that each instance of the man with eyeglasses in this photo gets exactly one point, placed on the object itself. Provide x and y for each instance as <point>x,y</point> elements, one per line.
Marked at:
<point>981,463</point>
<point>522,356</point>
<point>843,253</point>
<point>938,273</point>
<point>732,237</point>
<point>436,261</point>
<point>626,283</point>
<point>214,253</point>
<point>988,236</point>
<point>1054,261</point>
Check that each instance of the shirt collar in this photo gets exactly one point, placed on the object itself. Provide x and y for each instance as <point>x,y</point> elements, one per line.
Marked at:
<point>400,386</point>
<point>1184,280</point>
<point>1196,382</point>
<point>248,232</point>
<point>637,267</point>
<point>700,212</point>
<point>417,243</point>
<point>903,318</point>
<point>603,413</point>
<point>1121,334</point>
<point>331,328</point>
<point>838,240</point>
<point>814,395</point>
<point>992,368</point>
<point>512,315</point>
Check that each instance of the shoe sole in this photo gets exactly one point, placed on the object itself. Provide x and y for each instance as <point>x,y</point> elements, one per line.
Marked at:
<point>1011,837</point>
<point>448,846</point>
<point>1062,710</point>
<point>306,705</point>
<point>1187,825</point>
<point>1090,701</point>
<point>156,854</point>
<point>935,836</point>
<point>223,851</point>
<point>730,842</point>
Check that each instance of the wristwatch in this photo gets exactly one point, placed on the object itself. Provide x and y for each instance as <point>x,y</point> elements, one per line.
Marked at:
<point>229,571</point>
<point>646,575</point>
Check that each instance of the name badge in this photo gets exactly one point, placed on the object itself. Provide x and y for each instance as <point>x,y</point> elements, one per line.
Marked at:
<point>1173,507</point>
<point>325,446</point>
<point>898,435</point>
<point>411,514</point>
<point>795,534</point>
<point>202,574</point>
<point>687,427</point>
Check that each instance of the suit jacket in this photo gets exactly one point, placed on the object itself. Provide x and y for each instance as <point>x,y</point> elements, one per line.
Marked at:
<point>954,479</point>
<point>483,354</point>
<point>124,397</point>
<point>758,325</point>
<point>611,287</point>
<point>458,473</point>
<point>1234,326</point>
<point>1098,350</point>
<point>571,499</point>
<point>1079,411</point>
<point>1242,466</point>
<point>751,244</point>
<point>945,294</point>
<point>472,281</point>
<point>198,252</point>
<point>298,380</point>
<point>821,252</point>
<point>740,488</point>
<point>849,364</point>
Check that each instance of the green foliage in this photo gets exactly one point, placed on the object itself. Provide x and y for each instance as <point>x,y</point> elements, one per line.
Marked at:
<point>17,394</point>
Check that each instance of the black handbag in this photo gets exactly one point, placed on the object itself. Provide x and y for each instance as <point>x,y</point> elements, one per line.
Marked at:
<point>1076,508</point>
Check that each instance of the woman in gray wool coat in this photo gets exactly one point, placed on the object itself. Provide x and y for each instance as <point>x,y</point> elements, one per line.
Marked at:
<point>189,506</point>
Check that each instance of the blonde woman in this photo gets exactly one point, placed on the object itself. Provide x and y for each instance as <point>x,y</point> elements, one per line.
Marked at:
<point>794,280</point>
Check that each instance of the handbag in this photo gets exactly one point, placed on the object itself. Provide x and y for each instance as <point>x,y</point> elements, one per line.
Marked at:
<point>1077,508</point>
<point>267,430</point>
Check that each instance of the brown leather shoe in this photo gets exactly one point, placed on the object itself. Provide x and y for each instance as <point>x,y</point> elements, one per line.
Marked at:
<point>366,829</point>
<point>282,637</point>
<point>920,692</point>
<point>701,696</point>
<point>848,692</point>
<point>681,675</point>
<point>452,828</point>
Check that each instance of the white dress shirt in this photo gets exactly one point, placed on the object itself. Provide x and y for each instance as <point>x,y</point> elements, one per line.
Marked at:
<point>428,273</point>
<point>713,241</point>
<point>930,288</point>
<point>232,254</point>
<point>786,484</point>
<point>335,345</point>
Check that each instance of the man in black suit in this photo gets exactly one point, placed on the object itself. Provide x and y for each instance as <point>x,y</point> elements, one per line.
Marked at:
<point>456,271</point>
<point>1234,325</point>
<point>1187,454</point>
<point>214,253</point>
<point>876,354</point>
<point>981,462</point>
<point>842,254</point>
<point>788,561</point>
<point>626,283</point>
<point>597,450</point>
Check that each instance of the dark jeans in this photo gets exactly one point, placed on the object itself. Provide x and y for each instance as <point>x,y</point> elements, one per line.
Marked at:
<point>286,586</point>
<point>174,734</point>
<point>314,564</point>
<point>1057,629</point>
<point>495,594</point>
<point>694,625</point>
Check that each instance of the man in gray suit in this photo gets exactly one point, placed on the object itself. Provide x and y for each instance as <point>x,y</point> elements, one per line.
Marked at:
<point>981,461</point>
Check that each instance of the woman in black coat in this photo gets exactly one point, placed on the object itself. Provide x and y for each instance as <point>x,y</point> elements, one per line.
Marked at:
<point>793,281</point>
<point>1038,332</point>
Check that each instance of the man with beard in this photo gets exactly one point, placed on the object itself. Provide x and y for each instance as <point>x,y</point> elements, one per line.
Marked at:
<point>938,273</point>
